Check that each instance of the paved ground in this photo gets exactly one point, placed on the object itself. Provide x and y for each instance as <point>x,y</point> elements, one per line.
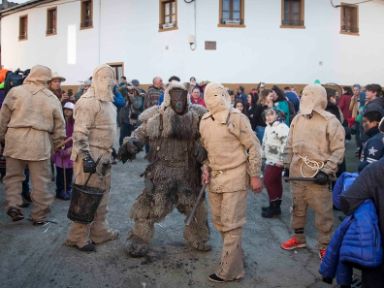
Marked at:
<point>36,257</point>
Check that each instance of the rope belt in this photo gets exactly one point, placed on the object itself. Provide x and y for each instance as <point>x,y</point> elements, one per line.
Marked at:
<point>313,165</point>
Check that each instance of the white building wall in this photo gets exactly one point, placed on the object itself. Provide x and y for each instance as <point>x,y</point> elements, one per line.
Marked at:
<point>262,51</point>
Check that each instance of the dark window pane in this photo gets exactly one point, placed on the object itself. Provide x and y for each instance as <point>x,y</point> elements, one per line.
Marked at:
<point>236,5</point>
<point>226,5</point>
<point>226,15</point>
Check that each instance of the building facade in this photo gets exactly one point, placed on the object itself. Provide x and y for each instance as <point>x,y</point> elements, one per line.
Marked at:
<point>229,41</point>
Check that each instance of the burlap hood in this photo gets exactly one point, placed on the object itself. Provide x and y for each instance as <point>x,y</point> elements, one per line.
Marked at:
<point>38,78</point>
<point>95,86</point>
<point>314,98</point>
<point>216,98</point>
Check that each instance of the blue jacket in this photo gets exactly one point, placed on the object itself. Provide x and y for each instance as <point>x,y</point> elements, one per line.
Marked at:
<point>342,184</point>
<point>356,241</point>
<point>118,98</point>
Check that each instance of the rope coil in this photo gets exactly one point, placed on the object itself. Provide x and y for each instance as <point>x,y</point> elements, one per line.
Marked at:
<point>313,165</point>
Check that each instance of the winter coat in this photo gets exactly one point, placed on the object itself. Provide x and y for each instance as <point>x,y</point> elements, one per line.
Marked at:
<point>369,185</point>
<point>259,115</point>
<point>344,104</point>
<point>373,148</point>
<point>375,105</point>
<point>274,141</point>
<point>335,110</point>
<point>118,100</point>
<point>356,241</point>
<point>31,119</point>
<point>342,184</point>
<point>62,157</point>
<point>318,137</point>
<point>199,101</point>
<point>292,97</point>
<point>251,113</point>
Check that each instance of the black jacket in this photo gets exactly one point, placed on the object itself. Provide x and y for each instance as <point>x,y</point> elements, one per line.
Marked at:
<point>375,105</point>
<point>373,148</point>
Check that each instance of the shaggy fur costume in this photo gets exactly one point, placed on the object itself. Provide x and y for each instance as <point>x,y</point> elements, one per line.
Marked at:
<point>172,179</point>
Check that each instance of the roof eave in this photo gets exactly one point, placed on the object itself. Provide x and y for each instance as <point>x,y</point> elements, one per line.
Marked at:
<point>24,6</point>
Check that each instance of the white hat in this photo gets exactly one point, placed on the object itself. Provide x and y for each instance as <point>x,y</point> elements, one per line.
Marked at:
<point>69,105</point>
<point>55,75</point>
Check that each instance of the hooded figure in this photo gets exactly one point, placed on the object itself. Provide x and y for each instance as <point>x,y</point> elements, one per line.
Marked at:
<point>315,148</point>
<point>31,125</point>
<point>234,157</point>
<point>172,179</point>
<point>93,137</point>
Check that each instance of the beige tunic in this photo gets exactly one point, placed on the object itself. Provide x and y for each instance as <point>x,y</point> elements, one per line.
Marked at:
<point>234,153</point>
<point>319,138</point>
<point>31,116</point>
<point>95,127</point>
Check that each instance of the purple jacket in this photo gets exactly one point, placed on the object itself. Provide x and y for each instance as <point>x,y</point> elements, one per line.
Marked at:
<point>62,157</point>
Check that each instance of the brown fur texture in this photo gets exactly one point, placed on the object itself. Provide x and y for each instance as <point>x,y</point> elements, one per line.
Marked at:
<point>172,179</point>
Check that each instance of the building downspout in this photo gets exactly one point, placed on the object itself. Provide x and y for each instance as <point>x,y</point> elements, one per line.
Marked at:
<point>99,34</point>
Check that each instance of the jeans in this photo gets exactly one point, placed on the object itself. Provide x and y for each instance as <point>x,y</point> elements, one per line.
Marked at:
<point>260,133</point>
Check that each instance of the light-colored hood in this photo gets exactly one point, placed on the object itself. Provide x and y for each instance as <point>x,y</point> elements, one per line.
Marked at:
<point>314,98</point>
<point>39,77</point>
<point>100,92</point>
<point>217,99</point>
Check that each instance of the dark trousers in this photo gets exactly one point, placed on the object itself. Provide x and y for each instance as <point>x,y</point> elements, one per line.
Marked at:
<point>273,182</point>
<point>373,278</point>
<point>60,181</point>
<point>125,131</point>
<point>25,192</point>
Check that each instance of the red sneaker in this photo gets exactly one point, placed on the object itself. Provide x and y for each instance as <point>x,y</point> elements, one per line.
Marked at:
<point>292,244</point>
<point>322,253</point>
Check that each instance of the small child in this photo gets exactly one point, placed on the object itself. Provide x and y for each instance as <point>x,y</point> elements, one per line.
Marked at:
<point>373,147</point>
<point>63,163</point>
<point>274,141</point>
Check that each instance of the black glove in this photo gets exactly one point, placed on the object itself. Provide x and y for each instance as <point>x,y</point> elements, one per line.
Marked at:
<point>286,173</point>
<point>321,178</point>
<point>89,165</point>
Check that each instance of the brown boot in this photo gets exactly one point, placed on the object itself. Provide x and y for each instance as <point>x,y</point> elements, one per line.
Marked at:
<point>136,247</point>
<point>15,214</point>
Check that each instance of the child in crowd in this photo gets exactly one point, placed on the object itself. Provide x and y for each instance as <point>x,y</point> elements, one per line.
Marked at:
<point>274,141</point>
<point>63,163</point>
<point>373,148</point>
